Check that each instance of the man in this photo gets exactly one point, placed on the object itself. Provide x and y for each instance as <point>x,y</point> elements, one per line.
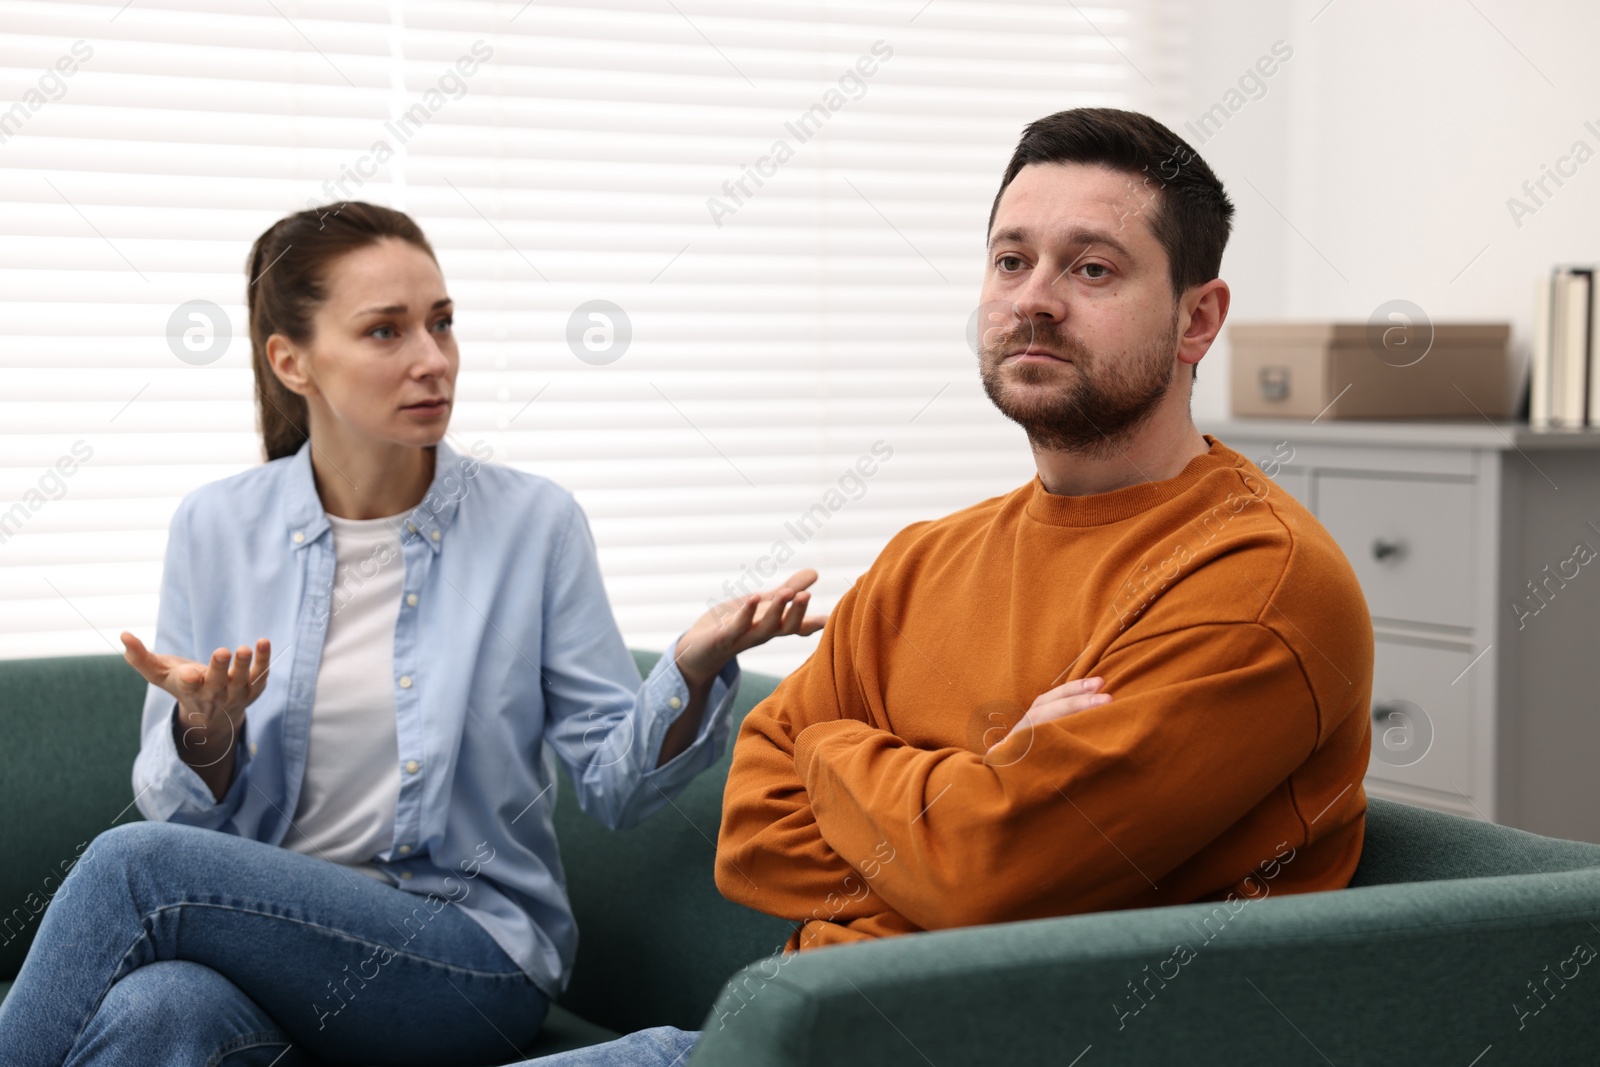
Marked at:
<point>940,760</point>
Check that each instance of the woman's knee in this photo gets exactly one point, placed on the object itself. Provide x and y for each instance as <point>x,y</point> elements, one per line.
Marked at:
<point>183,1012</point>
<point>160,998</point>
<point>132,847</point>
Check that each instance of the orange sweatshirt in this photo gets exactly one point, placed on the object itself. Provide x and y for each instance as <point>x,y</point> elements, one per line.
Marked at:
<point>1232,636</point>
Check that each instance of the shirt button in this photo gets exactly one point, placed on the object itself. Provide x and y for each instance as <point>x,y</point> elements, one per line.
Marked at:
<point>405,681</point>
<point>435,535</point>
<point>404,849</point>
<point>299,538</point>
<point>411,526</point>
<point>674,703</point>
<point>405,876</point>
<point>411,598</point>
<point>252,748</point>
<point>412,766</point>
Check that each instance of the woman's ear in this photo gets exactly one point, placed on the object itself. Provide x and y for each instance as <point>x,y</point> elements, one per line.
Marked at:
<point>291,364</point>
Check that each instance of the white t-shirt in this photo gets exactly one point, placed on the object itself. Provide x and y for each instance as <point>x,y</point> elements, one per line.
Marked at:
<point>346,809</point>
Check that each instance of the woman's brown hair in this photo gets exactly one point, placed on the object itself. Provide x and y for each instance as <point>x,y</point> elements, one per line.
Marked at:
<point>287,271</point>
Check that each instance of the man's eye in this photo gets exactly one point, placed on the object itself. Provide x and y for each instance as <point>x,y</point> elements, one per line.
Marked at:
<point>1003,260</point>
<point>1099,267</point>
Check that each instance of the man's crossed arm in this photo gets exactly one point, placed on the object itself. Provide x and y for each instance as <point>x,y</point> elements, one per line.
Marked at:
<point>1072,814</point>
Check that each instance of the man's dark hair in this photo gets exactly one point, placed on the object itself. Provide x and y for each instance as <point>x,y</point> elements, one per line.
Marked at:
<point>1191,217</point>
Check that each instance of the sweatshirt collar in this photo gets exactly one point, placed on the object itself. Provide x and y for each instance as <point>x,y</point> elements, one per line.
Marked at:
<point>1099,509</point>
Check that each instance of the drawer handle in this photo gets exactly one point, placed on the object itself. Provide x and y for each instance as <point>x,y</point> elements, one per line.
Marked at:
<point>1403,733</point>
<point>1382,550</point>
<point>1273,382</point>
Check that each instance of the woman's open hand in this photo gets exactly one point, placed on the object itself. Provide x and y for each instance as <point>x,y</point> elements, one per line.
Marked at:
<point>212,697</point>
<point>743,623</point>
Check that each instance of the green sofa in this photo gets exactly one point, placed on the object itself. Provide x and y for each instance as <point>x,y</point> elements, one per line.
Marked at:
<point>1459,942</point>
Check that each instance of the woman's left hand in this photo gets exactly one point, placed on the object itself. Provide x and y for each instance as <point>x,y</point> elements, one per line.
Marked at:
<point>743,623</point>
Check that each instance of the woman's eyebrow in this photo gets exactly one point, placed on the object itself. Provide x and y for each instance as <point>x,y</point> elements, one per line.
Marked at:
<point>399,309</point>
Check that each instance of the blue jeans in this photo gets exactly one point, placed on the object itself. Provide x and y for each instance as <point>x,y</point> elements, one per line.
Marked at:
<point>663,1046</point>
<point>173,945</point>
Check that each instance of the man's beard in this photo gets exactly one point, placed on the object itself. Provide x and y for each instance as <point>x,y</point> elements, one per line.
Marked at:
<point>1101,400</point>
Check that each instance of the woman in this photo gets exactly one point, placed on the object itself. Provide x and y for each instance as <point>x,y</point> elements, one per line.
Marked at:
<point>432,635</point>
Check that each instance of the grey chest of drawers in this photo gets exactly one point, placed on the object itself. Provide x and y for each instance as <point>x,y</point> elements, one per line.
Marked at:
<point>1478,548</point>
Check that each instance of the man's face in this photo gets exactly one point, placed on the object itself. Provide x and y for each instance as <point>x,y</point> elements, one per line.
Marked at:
<point>1078,330</point>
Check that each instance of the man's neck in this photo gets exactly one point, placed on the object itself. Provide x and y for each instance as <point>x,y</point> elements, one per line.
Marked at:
<point>1158,450</point>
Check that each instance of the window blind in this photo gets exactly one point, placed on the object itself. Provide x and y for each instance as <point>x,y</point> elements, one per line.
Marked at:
<point>713,263</point>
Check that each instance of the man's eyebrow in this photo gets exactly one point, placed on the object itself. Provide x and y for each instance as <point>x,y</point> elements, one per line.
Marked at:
<point>399,309</point>
<point>1078,235</point>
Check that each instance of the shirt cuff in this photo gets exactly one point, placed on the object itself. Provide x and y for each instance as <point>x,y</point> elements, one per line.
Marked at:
<point>173,786</point>
<point>667,697</point>
<point>805,745</point>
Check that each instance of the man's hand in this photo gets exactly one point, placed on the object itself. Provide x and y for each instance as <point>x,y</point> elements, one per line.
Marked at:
<point>211,697</point>
<point>743,623</point>
<point>1063,700</point>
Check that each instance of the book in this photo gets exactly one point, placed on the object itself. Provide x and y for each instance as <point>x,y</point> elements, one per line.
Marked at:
<point>1572,347</point>
<point>1594,352</point>
<point>1564,360</point>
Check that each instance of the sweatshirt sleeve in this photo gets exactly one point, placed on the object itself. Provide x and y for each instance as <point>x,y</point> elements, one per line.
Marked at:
<point>770,853</point>
<point>1084,813</point>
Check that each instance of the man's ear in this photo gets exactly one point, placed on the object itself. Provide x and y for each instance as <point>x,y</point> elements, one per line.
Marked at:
<point>1207,310</point>
<point>290,363</point>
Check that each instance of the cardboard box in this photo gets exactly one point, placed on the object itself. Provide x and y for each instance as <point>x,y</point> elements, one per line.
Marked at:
<point>1295,370</point>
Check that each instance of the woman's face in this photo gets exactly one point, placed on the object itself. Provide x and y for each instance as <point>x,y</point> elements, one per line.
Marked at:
<point>383,359</point>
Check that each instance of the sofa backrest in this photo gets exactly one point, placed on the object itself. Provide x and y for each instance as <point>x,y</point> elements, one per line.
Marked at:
<point>1405,843</point>
<point>656,941</point>
<point>69,730</point>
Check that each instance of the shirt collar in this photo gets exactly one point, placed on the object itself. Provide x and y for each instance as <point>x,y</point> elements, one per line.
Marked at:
<point>306,520</point>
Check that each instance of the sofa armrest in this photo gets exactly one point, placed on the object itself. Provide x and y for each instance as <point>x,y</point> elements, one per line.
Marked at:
<point>1431,972</point>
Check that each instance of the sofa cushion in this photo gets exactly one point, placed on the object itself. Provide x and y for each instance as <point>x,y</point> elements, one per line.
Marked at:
<point>563,1031</point>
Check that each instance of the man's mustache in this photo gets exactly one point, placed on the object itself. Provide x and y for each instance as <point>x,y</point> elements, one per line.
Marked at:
<point>997,345</point>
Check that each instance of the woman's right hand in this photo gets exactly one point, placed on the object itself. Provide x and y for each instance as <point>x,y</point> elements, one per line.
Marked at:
<point>212,698</point>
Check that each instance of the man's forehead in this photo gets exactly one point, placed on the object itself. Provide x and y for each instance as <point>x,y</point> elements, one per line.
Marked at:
<point>1067,204</point>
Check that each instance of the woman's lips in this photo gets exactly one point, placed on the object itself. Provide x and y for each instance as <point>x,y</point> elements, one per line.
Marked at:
<point>428,407</point>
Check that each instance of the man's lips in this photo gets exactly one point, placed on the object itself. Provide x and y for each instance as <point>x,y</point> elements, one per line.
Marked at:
<point>1036,355</point>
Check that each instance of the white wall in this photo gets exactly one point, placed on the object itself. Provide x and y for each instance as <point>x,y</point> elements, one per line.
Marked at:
<point>1390,143</point>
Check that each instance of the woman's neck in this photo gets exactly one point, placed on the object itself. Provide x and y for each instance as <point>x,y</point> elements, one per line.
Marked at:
<point>367,479</point>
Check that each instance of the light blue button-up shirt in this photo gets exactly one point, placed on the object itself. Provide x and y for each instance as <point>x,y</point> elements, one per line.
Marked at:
<point>505,653</point>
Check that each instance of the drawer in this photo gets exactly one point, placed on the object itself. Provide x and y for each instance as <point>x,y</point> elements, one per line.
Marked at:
<point>1409,541</point>
<point>1423,730</point>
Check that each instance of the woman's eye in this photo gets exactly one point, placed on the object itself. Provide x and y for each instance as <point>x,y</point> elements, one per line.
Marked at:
<point>445,324</point>
<point>381,333</point>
